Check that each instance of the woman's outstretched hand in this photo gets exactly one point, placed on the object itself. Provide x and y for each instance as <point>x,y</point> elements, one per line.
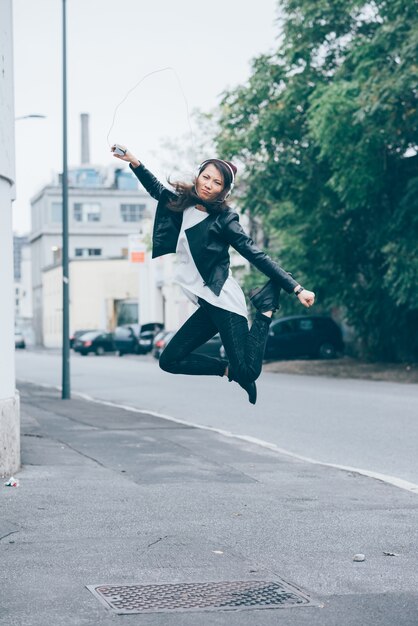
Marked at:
<point>128,156</point>
<point>306,297</point>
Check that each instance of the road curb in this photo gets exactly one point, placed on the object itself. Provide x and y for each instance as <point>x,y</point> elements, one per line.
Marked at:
<point>390,480</point>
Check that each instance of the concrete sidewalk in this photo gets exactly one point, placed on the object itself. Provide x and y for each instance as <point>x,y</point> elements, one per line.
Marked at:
<point>109,496</point>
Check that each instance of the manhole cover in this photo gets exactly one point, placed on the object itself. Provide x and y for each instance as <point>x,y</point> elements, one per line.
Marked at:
<point>209,596</point>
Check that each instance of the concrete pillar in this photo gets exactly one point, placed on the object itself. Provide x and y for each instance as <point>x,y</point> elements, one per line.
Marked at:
<point>9,400</point>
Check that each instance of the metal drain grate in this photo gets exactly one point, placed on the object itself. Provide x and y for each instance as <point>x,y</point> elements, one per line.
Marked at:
<point>210,596</point>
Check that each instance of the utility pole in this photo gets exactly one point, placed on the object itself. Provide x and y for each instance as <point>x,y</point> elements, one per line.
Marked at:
<point>66,388</point>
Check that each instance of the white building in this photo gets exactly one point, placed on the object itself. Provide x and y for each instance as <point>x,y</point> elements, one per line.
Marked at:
<point>9,398</point>
<point>24,320</point>
<point>23,287</point>
<point>102,215</point>
<point>102,291</point>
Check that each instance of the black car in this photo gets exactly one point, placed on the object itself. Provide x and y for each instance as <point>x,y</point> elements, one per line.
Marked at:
<point>160,342</point>
<point>210,348</point>
<point>135,339</point>
<point>146,341</point>
<point>312,336</point>
<point>19,339</point>
<point>78,334</point>
<point>97,341</point>
<point>126,340</point>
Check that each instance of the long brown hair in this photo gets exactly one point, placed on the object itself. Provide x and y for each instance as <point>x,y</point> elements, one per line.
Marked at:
<point>187,194</point>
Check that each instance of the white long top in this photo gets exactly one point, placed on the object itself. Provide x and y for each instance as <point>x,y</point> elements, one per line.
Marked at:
<point>187,275</point>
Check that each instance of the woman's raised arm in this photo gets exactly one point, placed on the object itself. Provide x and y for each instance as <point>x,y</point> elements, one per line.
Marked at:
<point>148,180</point>
<point>126,156</point>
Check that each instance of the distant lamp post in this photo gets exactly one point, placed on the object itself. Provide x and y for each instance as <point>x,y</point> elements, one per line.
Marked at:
<point>32,115</point>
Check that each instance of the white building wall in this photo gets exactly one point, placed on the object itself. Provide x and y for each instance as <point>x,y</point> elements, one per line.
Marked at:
<point>95,285</point>
<point>9,400</point>
<point>26,284</point>
<point>25,321</point>
<point>17,296</point>
<point>110,234</point>
<point>36,264</point>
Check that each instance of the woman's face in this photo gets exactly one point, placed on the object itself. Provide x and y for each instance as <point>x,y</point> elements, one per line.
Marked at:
<point>209,183</point>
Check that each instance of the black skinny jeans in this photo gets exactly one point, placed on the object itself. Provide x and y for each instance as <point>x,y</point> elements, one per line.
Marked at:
<point>244,348</point>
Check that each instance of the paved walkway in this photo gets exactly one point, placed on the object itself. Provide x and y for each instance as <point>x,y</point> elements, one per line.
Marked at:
<point>109,496</point>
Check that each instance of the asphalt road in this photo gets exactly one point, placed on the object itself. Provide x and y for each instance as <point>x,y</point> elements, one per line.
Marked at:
<point>368,425</point>
<point>114,497</point>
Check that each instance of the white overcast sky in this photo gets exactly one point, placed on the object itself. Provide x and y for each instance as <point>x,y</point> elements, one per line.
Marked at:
<point>110,45</point>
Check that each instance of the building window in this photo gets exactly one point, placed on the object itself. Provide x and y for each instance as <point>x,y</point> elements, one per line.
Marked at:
<point>132,212</point>
<point>83,252</point>
<point>87,211</point>
<point>56,212</point>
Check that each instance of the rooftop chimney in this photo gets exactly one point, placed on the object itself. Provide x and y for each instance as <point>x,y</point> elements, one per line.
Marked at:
<point>85,143</point>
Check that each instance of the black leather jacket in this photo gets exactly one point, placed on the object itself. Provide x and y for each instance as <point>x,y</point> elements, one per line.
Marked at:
<point>209,240</point>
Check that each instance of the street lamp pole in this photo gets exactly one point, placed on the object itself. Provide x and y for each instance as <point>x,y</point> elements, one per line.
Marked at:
<point>66,389</point>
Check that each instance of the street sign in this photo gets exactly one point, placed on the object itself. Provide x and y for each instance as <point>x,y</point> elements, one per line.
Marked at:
<point>137,249</point>
<point>137,257</point>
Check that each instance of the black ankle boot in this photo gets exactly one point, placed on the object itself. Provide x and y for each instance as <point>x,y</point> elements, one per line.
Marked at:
<point>250,388</point>
<point>266,298</point>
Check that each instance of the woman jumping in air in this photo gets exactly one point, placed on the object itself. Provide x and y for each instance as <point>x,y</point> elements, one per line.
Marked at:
<point>196,222</point>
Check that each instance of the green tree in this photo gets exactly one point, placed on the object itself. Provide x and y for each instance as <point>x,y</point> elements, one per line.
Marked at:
<point>327,132</point>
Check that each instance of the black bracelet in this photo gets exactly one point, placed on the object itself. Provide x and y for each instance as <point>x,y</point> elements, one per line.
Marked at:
<point>298,291</point>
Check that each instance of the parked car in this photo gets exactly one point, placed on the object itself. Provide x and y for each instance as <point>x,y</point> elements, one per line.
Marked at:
<point>128,341</point>
<point>146,341</point>
<point>19,340</point>
<point>210,348</point>
<point>312,336</point>
<point>125,340</point>
<point>97,341</point>
<point>160,342</point>
<point>155,327</point>
<point>78,334</point>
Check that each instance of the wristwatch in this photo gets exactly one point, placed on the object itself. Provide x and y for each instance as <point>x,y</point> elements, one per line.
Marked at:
<point>298,290</point>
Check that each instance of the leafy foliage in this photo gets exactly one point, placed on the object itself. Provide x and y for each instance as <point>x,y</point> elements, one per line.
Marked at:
<point>326,131</point>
